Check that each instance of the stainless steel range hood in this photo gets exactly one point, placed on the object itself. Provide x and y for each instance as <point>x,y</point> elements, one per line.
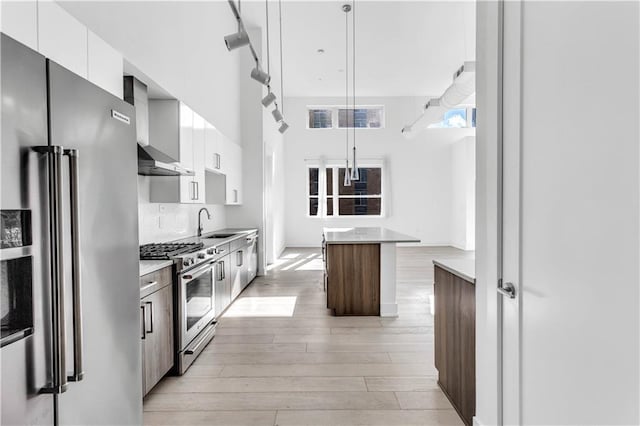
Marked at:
<point>153,162</point>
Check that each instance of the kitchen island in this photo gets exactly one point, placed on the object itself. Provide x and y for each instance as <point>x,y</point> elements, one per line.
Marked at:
<point>360,270</point>
<point>455,333</point>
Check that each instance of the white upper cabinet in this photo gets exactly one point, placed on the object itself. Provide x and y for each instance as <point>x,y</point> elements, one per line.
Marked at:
<point>233,154</point>
<point>20,21</point>
<point>212,142</point>
<point>48,28</point>
<point>62,38</point>
<point>105,65</point>
<point>179,132</point>
<point>198,158</point>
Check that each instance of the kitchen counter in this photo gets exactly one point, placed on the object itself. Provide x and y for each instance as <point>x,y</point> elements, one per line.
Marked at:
<point>149,266</point>
<point>363,235</point>
<point>210,241</point>
<point>360,270</point>
<point>463,268</point>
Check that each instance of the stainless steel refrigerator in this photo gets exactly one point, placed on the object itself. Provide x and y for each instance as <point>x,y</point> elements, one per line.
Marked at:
<point>69,296</point>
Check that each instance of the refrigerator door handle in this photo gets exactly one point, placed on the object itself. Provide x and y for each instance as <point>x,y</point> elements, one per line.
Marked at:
<point>58,334</point>
<point>76,285</point>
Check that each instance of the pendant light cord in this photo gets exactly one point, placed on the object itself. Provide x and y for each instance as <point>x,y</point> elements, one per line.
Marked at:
<point>346,80</point>
<point>281,67</point>
<point>353,30</point>
<point>266,9</point>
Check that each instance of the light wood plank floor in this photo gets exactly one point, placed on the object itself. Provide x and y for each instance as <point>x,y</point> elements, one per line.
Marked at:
<point>279,358</point>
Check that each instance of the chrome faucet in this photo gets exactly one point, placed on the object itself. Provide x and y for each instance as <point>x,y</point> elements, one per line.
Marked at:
<point>200,227</point>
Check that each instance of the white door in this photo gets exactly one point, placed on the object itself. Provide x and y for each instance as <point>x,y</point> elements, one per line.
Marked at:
<point>509,305</point>
<point>570,213</point>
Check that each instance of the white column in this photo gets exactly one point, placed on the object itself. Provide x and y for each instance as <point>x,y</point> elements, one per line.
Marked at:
<point>388,305</point>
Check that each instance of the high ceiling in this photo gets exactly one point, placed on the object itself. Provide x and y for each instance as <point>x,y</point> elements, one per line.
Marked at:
<point>403,48</point>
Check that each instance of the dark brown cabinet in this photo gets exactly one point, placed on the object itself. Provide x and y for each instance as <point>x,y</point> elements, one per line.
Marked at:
<point>156,328</point>
<point>455,341</point>
<point>352,278</point>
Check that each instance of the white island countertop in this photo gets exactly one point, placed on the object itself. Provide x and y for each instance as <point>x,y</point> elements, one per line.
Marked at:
<point>365,235</point>
<point>463,268</point>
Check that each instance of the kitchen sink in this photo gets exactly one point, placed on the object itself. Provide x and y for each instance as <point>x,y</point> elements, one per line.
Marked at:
<point>220,235</point>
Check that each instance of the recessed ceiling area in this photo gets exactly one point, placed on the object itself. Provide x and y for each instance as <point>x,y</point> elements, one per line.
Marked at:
<point>403,48</point>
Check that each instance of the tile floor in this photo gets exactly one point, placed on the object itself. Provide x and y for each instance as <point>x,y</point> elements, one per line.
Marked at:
<point>280,358</point>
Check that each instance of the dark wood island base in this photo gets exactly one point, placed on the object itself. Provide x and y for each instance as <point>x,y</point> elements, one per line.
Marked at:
<point>353,279</point>
<point>455,339</point>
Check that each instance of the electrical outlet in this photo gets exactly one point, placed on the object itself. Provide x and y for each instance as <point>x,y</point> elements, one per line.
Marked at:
<point>162,208</point>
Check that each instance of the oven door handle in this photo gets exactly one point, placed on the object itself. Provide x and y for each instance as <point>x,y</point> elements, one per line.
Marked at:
<point>196,272</point>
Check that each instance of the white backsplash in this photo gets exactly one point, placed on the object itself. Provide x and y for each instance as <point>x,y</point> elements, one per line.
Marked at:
<point>162,222</point>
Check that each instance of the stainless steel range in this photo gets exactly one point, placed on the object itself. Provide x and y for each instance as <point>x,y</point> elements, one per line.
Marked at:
<point>197,266</point>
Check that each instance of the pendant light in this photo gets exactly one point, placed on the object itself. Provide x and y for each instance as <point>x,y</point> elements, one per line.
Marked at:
<point>346,8</point>
<point>355,173</point>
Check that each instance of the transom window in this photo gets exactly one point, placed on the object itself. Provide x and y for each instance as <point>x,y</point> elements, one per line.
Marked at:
<point>456,118</point>
<point>328,197</point>
<point>337,117</point>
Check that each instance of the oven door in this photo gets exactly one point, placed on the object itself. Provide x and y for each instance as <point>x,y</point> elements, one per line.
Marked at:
<point>197,302</point>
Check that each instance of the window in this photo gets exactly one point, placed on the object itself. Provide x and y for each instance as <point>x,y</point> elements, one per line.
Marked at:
<point>360,118</point>
<point>362,198</point>
<point>320,118</point>
<point>336,117</point>
<point>456,118</point>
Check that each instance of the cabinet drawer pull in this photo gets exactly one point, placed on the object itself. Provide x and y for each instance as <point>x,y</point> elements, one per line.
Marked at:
<point>150,304</point>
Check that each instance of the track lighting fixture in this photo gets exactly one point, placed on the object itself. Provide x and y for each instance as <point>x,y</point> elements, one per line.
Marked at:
<point>234,41</point>
<point>260,76</point>
<point>277,115</point>
<point>268,100</point>
<point>283,127</point>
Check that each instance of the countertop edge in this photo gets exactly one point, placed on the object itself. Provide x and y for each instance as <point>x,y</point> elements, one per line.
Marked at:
<point>150,266</point>
<point>454,271</point>
<point>372,241</point>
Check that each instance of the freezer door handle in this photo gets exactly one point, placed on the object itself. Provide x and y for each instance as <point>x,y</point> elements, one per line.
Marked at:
<point>76,284</point>
<point>58,382</point>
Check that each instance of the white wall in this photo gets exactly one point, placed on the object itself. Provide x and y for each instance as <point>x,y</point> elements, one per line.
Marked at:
<point>165,222</point>
<point>419,171</point>
<point>463,193</point>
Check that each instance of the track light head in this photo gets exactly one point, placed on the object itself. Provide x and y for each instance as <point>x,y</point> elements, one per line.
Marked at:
<point>260,76</point>
<point>277,115</point>
<point>236,40</point>
<point>268,100</point>
<point>283,127</point>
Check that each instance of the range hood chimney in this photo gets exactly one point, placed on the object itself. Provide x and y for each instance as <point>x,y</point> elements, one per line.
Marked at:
<point>151,161</point>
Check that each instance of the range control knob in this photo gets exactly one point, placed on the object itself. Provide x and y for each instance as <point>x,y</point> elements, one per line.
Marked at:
<point>187,262</point>
<point>210,251</point>
<point>201,256</point>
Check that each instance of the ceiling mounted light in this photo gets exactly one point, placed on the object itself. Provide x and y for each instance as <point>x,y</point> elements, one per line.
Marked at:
<point>260,76</point>
<point>234,41</point>
<point>277,115</point>
<point>283,127</point>
<point>268,100</point>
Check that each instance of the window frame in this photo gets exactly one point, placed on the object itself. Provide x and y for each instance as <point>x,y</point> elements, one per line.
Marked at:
<point>335,119</point>
<point>335,167</point>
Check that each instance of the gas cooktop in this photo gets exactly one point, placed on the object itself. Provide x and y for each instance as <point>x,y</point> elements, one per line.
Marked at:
<point>161,251</point>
